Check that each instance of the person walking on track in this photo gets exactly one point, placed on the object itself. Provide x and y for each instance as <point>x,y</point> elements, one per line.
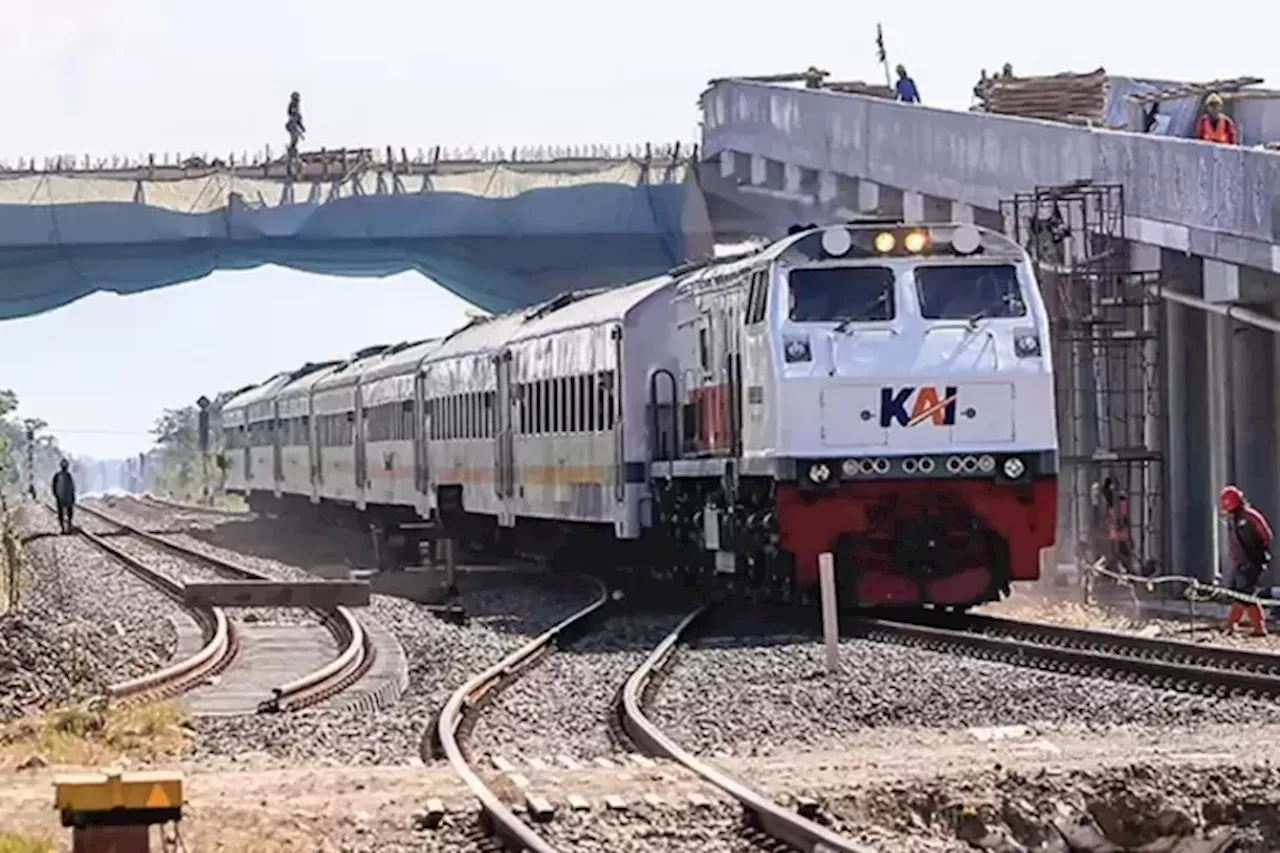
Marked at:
<point>64,493</point>
<point>1250,537</point>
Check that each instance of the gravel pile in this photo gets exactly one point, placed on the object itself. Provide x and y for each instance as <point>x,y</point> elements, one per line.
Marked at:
<point>44,663</point>
<point>754,698</point>
<point>564,706</point>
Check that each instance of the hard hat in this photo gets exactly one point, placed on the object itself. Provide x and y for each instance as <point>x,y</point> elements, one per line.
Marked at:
<point>1230,499</point>
<point>1214,99</point>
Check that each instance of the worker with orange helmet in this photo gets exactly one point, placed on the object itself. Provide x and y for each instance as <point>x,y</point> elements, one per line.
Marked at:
<point>1250,537</point>
<point>1215,125</point>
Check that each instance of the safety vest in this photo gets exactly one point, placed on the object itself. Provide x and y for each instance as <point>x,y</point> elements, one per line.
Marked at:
<point>1118,521</point>
<point>1223,130</point>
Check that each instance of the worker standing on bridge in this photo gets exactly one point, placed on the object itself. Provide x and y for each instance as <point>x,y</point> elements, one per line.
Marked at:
<point>906,87</point>
<point>294,126</point>
<point>1216,126</point>
<point>1250,537</point>
<point>64,493</point>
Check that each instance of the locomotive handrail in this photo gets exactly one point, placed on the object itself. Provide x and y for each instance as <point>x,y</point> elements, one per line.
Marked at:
<point>792,829</point>
<point>675,417</point>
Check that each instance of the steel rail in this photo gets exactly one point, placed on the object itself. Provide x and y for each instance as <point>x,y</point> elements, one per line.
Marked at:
<point>351,663</point>
<point>463,704</point>
<point>1205,654</point>
<point>216,654</point>
<point>771,818</point>
<point>1024,651</point>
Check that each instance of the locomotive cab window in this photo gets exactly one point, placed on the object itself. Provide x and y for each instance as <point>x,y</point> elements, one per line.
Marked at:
<point>969,292</point>
<point>841,295</point>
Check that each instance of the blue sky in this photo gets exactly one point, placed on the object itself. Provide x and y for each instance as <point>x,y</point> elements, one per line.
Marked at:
<point>110,77</point>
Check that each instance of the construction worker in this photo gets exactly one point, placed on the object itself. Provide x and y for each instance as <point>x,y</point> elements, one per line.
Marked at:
<point>293,124</point>
<point>1119,527</point>
<point>906,87</point>
<point>1250,537</point>
<point>1216,126</point>
<point>64,494</point>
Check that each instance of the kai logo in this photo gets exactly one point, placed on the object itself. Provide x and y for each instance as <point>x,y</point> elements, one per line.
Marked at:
<point>911,405</point>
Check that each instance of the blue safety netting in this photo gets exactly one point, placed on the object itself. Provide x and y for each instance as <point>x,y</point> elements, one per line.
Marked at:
<point>497,253</point>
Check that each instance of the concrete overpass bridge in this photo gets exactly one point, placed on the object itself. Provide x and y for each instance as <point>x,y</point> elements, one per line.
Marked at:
<point>1166,285</point>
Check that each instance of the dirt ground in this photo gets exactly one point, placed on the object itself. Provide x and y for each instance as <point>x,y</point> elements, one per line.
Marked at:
<point>907,790</point>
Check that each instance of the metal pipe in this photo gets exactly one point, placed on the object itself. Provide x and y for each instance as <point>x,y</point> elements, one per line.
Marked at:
<point>1235,312</point>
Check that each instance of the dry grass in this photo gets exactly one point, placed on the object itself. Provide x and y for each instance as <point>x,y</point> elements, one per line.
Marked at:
<point>80,735</point>
<point>15,842</point>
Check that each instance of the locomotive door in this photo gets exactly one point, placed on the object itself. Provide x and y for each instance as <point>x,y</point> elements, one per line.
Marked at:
<point>504,474</point>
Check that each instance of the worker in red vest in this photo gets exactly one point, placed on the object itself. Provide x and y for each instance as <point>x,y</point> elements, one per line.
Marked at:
<point>1250,537</point>
<point>1214,125</point>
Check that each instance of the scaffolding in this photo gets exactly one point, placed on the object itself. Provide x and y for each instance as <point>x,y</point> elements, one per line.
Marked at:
<point>1107,326</point>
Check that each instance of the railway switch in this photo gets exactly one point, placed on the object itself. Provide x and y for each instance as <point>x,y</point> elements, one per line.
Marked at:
<point>113,811</point>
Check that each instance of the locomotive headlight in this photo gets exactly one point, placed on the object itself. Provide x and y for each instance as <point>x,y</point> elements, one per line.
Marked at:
<point>1013,468</point>
<point>885,242</point>
<point>915,241</point>
<point>987,464</point>
<point>819,473</point>
<point>1026,344</point>
<point>966,240</point>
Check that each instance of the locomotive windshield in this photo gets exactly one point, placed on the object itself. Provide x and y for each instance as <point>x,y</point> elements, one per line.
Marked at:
<point>970,292</point>
<point>841,295</point>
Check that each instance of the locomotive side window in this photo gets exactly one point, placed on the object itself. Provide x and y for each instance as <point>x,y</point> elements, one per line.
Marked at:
<point>758,298</point>
<point>969,292</point>
<point>841,294</point>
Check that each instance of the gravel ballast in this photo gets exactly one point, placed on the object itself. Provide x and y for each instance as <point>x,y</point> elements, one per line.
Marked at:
<point>753,698</point>
<point>564,705</point>
<point>84,622</point>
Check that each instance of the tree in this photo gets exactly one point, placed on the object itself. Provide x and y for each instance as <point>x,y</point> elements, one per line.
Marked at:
<point>177,463</point>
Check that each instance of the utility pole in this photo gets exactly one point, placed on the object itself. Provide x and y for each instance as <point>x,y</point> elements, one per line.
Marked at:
<point>31,458</point>
<point>203,428</point>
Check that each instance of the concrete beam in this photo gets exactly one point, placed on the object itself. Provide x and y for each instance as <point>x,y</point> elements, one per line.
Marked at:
<point>759,170</point>
<point>868,196</point>
<point>962,212</point>
<point>792,177</point>
<point>728,164</point>
<point>828,187</point>
<point>912,206</point>
<point>1221,281</point>
<point>323,594</point>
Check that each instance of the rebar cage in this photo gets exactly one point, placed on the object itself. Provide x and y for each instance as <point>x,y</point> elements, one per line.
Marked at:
<point>1107,323</point>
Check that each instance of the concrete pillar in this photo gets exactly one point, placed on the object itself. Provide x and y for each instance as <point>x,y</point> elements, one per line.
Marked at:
<point>1152,516</point>
<point>912,206</point>
<point>727,164</point>
<point>961,212</point>
<point>759,170</point>
<point>1217,351</point>
<point>868,196</point>
<point>828,187</point>
<point>1221,281</point>
<point>791,177</point>
<point>1178,497</point>
<point>1251,403</point>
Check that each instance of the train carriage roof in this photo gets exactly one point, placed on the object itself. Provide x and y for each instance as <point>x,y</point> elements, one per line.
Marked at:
<point>602,307</point>
<point>258,393</point>
<point>401,359</point>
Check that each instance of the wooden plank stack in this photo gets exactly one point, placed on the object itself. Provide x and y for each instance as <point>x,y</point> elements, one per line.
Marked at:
<point>1063,97</point>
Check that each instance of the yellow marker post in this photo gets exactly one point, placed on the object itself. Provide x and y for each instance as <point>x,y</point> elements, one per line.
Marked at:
<point>112,811</point>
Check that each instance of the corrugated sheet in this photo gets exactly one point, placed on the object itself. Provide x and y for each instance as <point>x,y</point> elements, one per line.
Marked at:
<point>1181,113</point>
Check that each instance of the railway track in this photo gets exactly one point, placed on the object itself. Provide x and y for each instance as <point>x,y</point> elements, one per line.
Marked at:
<point>1163,663</point>
<point>764,816</point>
<point>224,639</point>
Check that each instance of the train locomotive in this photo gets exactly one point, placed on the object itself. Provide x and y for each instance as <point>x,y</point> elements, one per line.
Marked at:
<point>881,393</point>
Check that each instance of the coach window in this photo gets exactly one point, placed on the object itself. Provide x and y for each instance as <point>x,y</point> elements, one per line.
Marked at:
<point>704,345</point>
<point>841,294</point>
